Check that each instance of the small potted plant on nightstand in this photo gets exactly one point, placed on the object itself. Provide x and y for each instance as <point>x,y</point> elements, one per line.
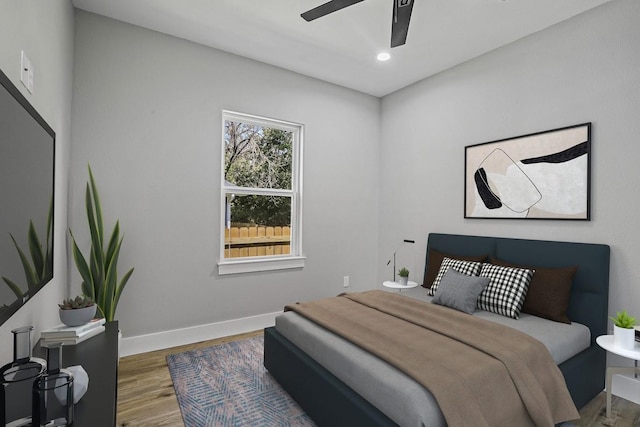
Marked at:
<point>404,276</point>
<point>77,311</point>
<point>623,331</point>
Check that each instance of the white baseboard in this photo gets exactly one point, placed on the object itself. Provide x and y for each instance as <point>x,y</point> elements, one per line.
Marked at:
<point>626,387</point>
<point>177,337</point>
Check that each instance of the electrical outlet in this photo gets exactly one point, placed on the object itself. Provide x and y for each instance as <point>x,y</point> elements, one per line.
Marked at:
<point>345,282</point>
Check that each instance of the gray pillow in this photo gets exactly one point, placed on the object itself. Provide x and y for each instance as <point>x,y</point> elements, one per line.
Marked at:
<point>459,291</point>
<point>470,268</point>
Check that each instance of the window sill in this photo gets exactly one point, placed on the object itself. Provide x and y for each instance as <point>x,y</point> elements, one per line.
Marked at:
<point>250,265</point>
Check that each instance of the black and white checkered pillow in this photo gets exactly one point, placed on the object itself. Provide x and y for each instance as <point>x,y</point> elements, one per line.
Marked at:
<point>470,268</point>
<point>506,291</point>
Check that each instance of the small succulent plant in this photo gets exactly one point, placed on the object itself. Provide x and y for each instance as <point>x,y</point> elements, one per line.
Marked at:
<point>75,303</point>
<point>403,272</point>
<point>623,320</point>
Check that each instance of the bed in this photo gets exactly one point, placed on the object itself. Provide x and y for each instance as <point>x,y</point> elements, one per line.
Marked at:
<point>330,401</point>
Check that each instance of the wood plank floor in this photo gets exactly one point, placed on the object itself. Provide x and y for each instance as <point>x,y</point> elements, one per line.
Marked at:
<point>145,391</point>
<point>146,396</point>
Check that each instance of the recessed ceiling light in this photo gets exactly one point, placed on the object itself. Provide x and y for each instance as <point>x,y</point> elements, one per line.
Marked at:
<point>384,56</point>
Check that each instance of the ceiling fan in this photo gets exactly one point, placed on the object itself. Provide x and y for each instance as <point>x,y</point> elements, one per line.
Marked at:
<point>399,24</point>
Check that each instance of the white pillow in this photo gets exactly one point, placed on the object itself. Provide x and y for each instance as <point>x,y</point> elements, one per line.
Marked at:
<point>506,291</point>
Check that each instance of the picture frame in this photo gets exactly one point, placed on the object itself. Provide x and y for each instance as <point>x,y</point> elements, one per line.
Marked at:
<point>543,175</point>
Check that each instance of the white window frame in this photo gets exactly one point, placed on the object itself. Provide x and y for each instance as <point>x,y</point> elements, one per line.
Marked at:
<point>295,258</point>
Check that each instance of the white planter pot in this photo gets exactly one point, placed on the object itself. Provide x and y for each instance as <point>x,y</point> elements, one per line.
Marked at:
<point>624,338</point>
<point>404,280</point>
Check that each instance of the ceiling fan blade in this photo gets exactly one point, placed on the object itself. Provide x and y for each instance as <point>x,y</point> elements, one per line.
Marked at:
<point>327,8</point>
<point>400,23</point>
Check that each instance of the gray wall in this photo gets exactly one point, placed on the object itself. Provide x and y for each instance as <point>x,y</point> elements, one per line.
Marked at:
<point>44,29</point>
<point>582,70</point>
<point>147,117</point>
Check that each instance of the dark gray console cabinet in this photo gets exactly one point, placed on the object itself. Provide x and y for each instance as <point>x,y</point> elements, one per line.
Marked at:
<point>99,357</point>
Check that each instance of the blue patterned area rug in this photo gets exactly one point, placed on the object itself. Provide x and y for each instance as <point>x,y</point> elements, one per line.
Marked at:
<point>227,385</point>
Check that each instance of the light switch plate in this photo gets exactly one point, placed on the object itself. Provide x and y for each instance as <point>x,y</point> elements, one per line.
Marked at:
<point>26,72</point>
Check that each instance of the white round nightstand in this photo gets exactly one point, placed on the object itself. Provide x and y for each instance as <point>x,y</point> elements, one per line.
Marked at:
<point>396,285</point>
<point>606,342</point>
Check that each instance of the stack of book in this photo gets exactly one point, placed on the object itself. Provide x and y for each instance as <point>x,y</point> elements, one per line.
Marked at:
<point>70,335</point>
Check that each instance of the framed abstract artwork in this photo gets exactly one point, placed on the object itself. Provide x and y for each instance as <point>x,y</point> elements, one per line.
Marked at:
<point>544,175</point>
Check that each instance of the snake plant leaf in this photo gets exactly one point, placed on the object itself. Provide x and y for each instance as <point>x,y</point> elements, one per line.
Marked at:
<point>97,206</point>
<point>48,265</point>
<point>121,286</point>
<point>97,271</point>
<point>82,266</point>
<point>99,276</point>
<point>113,242</point>
<point>35,248</point>
<point>100,312</point>
<point>48,258</point>
<point>29,272</point>
<point>14,287</point>
<point>94,228</point>
<point>87,289</point>
<point>40,268</point>
<point>111,278</point>
<point>49,226</point>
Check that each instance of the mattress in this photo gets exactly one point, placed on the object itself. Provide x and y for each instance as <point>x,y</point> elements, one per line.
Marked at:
<point>394,393</point>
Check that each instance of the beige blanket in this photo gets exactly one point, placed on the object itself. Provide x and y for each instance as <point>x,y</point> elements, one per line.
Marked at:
<point>480,373</point>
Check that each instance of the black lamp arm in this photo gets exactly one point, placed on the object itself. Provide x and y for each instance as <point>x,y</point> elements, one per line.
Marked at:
<point>394,256</point>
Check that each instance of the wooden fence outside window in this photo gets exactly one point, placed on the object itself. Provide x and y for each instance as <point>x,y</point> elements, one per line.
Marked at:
<point>242,242</point>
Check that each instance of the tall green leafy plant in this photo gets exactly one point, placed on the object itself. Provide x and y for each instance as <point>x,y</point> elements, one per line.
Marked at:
<point>38,268</point>
<point>100,275</point>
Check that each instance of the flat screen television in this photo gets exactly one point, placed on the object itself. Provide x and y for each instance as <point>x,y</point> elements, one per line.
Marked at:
<point>27,157</point>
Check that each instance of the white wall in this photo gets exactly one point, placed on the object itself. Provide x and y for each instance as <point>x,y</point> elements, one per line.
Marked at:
<point>44,30</point>
<point>147,117</point>
<point>585,69</point>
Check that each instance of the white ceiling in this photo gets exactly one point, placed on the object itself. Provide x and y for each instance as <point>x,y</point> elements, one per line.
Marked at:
<point>341,48</point>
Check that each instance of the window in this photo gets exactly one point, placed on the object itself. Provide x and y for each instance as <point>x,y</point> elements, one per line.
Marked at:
<point>261,194</point>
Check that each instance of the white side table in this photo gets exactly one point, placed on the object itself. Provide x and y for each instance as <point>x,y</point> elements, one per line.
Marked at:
<point>606,342</point>
<point>396,285</point>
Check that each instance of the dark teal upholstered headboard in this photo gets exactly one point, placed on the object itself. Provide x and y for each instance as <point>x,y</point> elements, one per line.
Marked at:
<point>589,302</point>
